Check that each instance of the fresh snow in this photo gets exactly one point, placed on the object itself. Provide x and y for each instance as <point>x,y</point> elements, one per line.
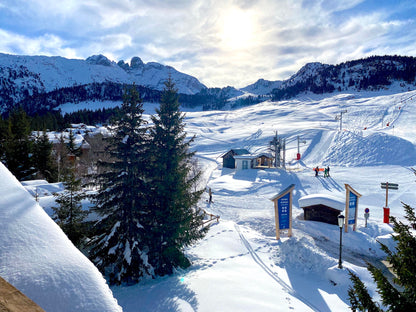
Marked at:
<point>239,265</point>
<point>37,258</point>
<point>316,199</point>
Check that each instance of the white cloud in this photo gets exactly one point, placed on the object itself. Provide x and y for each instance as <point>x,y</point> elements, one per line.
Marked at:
<point>46,44</point>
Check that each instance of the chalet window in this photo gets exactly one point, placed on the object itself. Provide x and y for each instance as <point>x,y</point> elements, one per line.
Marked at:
<point>245,164</point>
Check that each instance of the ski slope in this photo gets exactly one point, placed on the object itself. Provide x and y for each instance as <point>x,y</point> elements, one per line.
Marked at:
<point>239,265</point>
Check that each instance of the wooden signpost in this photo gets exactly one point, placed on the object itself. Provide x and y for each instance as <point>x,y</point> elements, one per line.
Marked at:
<point>351,207</point>
<point>388,186</point>
<point>283,210</point>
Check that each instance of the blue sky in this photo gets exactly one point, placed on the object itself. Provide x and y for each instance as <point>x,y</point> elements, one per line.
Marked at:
<point>223,42</point>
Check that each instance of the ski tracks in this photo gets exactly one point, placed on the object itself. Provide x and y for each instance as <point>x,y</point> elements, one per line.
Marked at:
<point>272,274</point>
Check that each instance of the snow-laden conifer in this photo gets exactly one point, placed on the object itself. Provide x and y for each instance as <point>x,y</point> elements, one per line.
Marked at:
<point>119,248</point>
<point>176,222</point>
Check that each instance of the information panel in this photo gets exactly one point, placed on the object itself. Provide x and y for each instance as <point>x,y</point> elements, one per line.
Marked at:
<point>352,207</point>
<point>283,210</point>
<point>283,204</point>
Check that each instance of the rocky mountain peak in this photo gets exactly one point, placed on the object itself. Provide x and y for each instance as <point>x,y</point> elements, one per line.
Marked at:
<point>98,60</point>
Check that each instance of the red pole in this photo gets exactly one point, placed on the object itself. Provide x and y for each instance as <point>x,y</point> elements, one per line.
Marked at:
<point>386,210</point>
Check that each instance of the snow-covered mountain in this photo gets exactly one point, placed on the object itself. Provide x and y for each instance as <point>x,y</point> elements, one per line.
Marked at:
<point>43,83</point>
<point>370,74</point>
<point>38,259</point>
<point>262,86</point>
<point>22,76</point>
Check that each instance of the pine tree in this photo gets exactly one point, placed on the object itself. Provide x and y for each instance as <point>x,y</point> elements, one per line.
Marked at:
<point>176,221</point>
<point>18,146</point>
<point>69,214</point>
<point>42,157</point>
<point>63,161</point>
<point>120,245</point>
<point>400,296</point>
<point>72,146</point>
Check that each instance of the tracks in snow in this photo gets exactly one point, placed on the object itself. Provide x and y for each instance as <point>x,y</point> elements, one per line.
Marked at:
<point>272,274</point>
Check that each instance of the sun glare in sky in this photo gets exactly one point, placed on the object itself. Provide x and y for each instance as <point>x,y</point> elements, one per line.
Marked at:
<point>238,29</point>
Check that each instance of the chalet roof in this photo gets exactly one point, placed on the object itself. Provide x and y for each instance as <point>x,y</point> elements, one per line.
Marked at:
<point>237,151</point>
<point>268,155</point>
<point>245,156</point>
<point>322,199</point>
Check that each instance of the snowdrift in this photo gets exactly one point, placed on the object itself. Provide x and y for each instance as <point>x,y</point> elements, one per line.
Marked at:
<point>37,258</point>
<point>352,149</point>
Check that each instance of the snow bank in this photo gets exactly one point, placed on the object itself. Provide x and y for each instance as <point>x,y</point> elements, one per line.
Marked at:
<point>322,199</point>
<point>37,258</point>
<point>302,254</point>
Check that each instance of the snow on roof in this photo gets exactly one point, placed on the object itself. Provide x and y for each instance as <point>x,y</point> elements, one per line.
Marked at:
<point>245,156</point>
<point>38,259</point>
<point>322,199</point>
<point>237,151</point>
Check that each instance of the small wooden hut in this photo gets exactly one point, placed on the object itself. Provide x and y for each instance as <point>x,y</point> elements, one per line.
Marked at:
<point>228,160</point>
<point>321,207</point>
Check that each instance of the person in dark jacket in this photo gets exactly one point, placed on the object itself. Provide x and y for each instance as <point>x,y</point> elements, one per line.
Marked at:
<point>316,171</point>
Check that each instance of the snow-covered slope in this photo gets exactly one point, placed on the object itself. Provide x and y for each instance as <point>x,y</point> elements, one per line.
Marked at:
<point>239,265</point>
<point>37,258</point>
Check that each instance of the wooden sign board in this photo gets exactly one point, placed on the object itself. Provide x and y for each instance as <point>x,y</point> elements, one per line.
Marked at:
<point>351,207</point>
<point>283,210</point>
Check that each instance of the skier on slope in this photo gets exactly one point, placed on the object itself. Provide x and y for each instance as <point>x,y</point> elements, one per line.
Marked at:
<point>316,171</point>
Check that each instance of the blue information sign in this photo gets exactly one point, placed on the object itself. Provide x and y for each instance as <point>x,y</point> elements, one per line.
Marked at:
<point>352,206</point>
<point>283,204</point>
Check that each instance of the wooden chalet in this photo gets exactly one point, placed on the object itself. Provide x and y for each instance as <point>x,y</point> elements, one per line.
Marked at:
<point>241,159</point>
<point>228,160</point>
<point>321,207</point>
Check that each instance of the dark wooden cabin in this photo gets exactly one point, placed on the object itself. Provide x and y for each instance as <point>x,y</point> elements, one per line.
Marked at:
<point>228,160</point>
<point>322,208</point>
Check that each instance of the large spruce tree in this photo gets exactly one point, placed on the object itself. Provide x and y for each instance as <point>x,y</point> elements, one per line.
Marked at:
<point>176,222</point>
<point>120,245</point>
<point>401,294</point>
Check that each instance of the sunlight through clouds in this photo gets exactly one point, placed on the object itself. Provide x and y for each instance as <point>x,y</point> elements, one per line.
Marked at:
<point>228,42</point>
<point>238,29</point>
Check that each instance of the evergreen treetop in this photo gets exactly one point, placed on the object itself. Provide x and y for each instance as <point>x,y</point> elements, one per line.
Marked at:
<point>401,295</point>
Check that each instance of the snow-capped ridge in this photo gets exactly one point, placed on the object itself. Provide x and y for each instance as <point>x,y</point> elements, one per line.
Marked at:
<point>23,76</point>
<point>99,60</point>
<point>262,86</point>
